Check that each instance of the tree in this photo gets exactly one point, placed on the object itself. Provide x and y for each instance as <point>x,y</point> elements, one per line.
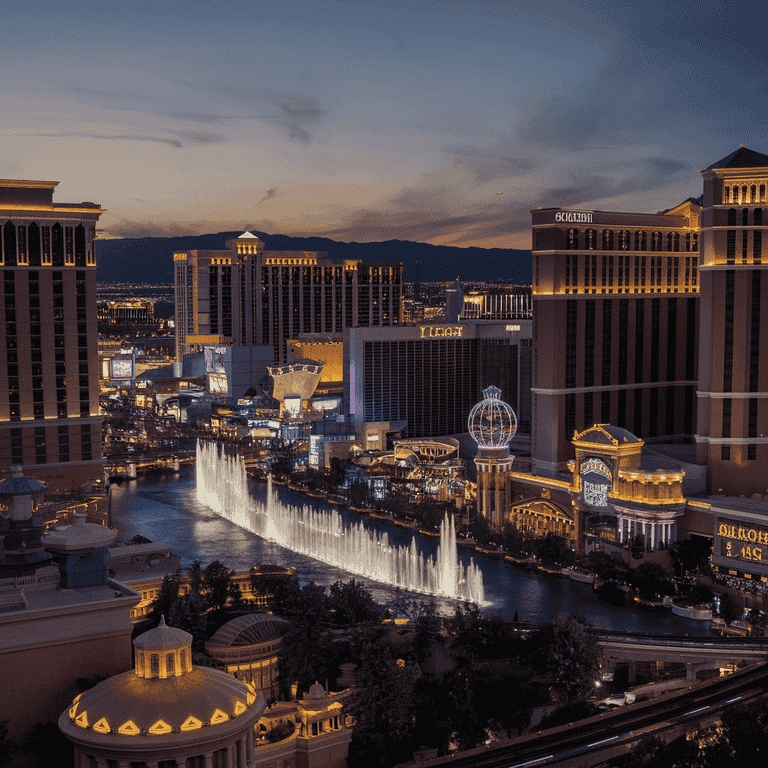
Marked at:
<point>280,588</point>
<point>383,707</point>
<point>569,654</point>
<point>479,529</point>
<point>167,596</point>
<point>303,655</point>
<point>731,607</point>
<point>637,546</point>
<point>650,579</point>
<point>690,554</point>
<point>350,603</point>
<point>219,588</point>
<point>554,549</point>
<point>493,684</point>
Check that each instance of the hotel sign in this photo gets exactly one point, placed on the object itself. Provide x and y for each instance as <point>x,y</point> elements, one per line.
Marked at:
<point>745,543</point>
<point>574,217</point>
<point>596,482</point>
<point>441,331</point>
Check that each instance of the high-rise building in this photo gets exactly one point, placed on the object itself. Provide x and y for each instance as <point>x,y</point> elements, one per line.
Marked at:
<point>732,434</point>
<point>49,395</point>
<point>430,376</point>
<point>246,296</point>
<point>615,326</point>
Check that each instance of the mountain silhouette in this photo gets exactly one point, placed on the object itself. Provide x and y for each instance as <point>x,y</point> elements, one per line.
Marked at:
<point>150,259</point>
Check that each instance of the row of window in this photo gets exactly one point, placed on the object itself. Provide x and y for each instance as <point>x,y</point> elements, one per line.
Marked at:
<point>744,193</point>
<point>624,240</point>
<point>35,245</point>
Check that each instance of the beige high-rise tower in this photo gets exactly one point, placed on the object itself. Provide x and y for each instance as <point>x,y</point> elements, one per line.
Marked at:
<point>732,434</point>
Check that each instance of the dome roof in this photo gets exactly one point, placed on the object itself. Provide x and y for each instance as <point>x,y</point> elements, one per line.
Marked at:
<point>251,629</point>
<point>20,485</point>
<point>606,434</point>
<point>78,536</point>
<point>492,422</point>
<point>127,705</point>
<point>162,638</point>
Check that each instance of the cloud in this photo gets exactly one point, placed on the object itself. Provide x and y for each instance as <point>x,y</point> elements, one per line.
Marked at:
<point>147,228</point>
<point>269,195</point>
<point>170,142</point>
<point>201,137</point>
<point>295,113</point>
<point>489,163</point>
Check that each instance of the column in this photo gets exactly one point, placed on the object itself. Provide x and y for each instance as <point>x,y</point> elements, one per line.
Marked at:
<point>208,760</point>
<point>230,748</point>
<point>101,762</point>
<point>620,527</point>
<point>653,535</point>
<point>251,755</point>
<point>241,752</point>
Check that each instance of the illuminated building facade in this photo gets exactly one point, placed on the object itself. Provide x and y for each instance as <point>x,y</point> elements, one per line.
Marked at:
<point>615,329</point>
<point>130,312</point>
<point>732,435</point>
<point>247,296</point>
<point>49,388</point>
<point>430,376</point>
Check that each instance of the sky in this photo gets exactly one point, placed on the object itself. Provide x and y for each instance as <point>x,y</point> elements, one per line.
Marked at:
<point>441,122</point>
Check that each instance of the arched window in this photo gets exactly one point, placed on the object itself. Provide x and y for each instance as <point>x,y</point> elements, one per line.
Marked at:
<point>695,243</point>
<point>744,193</point>
<point>669,241</point>
<point>762,193</point>
<point>676,241</point>
<point>169,659</point>
<point>607,239</point>
<point>744,217</point>
<point>590,240</point>
<point>9,241</point>
<point>731,217</point>
<point>57,245</point>
<point>33,244</point>
<point>641,241</point>
<point>655,241</point>
<point>154,664</point>
<point>726,194</point>
<point>79,245</point>
<point>688,241</point>
<point>753,194</point>
<point>623,240</point>
<point>572,240</point>
<point>183,659</point>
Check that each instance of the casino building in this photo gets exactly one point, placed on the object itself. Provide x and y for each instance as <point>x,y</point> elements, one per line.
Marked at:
<point>49,386</point>
<point>431,375</point>
<point>246,296</point>
<point>615,329</point>
<point>732,435</point>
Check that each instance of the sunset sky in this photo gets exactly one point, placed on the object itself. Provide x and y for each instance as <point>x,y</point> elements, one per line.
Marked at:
<point>441,122</point>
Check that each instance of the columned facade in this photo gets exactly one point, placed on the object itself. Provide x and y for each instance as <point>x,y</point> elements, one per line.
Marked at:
<point>732,435</point>
<point>493,484</point>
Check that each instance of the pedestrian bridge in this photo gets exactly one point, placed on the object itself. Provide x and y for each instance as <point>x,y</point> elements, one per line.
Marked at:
<point>696,652</point>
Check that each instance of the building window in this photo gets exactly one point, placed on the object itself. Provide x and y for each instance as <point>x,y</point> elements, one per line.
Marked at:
<point>154,664</point>
<point>169,659</point>
<point>641,241</point>
<point>572,240</point>
<point>590,240</point>
<point>607,239</point>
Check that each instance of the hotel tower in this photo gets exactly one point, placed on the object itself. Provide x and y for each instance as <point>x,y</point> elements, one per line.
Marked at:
<point>49,389</point>
<point>732,435</point>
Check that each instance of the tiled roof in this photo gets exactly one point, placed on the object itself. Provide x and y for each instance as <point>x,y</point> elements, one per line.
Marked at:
<point>742,158</point>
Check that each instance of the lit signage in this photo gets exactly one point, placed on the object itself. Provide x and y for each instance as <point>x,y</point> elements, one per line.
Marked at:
<point>122,368</point>
<point>513,328</point>
<point>441,331</point>
<point>217,384</point>
<point>596,482</point>
<point>745,543</point>
<point>574,217</point>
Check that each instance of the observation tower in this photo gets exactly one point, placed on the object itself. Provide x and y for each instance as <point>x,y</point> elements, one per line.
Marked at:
<point>492,424</point>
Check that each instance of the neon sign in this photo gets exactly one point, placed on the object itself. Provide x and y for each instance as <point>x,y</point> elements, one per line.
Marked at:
<point>441,331</point>
<point>574,217</point>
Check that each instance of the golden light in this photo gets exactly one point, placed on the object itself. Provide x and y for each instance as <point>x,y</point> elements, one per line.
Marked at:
<point>82,720</point>
<point>102,726</point>
<point>159,728</point>
<point>191,724</point>
<point>218,717</point>
<point>129,729</point>
<point>239,707</point>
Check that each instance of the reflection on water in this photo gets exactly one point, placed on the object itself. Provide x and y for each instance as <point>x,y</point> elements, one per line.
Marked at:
<point>165,509</point>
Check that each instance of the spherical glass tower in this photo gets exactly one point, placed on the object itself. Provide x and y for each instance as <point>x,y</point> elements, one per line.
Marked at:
<point>492,424</point>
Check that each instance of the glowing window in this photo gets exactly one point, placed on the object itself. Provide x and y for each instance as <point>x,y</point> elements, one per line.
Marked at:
<point>219,717</point>
<point>129,728</point>
<point>154,664</point>
<point>82,720</point>
<point>159,728</point>
<point>191,724</point>
<point>102,726</point>
<point>239,707</point>
<point>169,663</point>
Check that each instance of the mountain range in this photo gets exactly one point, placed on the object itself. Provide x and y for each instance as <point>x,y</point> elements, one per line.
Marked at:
<point>150,259</point>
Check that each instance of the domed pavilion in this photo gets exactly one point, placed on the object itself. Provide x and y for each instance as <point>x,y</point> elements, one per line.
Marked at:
<point>165,713</point>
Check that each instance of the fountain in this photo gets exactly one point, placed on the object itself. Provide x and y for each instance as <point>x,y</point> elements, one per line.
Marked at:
<point>222,485</point>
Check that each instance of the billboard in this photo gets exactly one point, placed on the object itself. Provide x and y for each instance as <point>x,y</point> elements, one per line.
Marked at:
<point>596,482</point>
<point>121,368</point>
<point>215,358</point>
<point>741,545</point>
<point>217,384</point>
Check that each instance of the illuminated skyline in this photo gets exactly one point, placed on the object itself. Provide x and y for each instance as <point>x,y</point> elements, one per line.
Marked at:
<point>376,122</point>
